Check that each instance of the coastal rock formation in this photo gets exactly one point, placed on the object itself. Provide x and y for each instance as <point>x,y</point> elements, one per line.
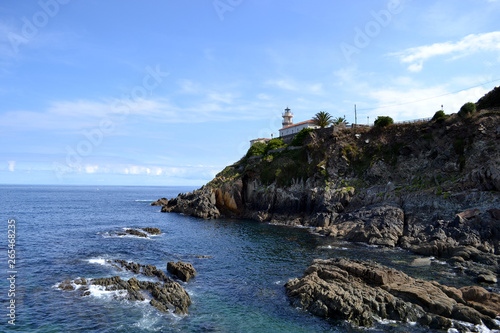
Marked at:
<point>147,270</point>
<point>160,202</point>
<point>363,292</point>
<point>134,232</point>
<point>183,271</point>
<point>376,225</point>
<point>152,231</point>
<point>200,203</point>
<point>167,295</point>
<point>430,187</point>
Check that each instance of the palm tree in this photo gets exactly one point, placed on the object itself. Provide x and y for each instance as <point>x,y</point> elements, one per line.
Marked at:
<point>322,119</point>
<point>339,121</point>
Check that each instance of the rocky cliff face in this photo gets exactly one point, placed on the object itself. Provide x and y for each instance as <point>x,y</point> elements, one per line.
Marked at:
<point>432,187</point>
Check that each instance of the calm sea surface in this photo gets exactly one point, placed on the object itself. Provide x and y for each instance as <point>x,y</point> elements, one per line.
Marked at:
<point>65,232</point>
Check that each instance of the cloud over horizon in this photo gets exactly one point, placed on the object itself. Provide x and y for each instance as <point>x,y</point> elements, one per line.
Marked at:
<point>473,43</point>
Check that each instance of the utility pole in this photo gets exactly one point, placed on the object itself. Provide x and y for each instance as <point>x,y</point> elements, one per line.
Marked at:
<point>355,116</point>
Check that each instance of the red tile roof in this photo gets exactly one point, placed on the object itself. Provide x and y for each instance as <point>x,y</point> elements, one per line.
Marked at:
<point>303,122</point>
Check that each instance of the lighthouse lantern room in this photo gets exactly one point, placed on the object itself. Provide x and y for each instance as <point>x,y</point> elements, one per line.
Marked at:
<point>287,118</point>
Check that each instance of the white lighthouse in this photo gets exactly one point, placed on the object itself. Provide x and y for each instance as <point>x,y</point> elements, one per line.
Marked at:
<point>287,118</point>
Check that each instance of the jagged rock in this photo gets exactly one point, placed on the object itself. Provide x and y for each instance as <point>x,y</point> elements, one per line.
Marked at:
<point>152,231</point>
<point>160,202</point>
<point>147,270</point>
<point>378,225</point>
<point>66,285</point>
<point>200,203</point>
<point>360,292</point>
<point>183,271</point>
<point>168,295</point>
<point>137,233</point>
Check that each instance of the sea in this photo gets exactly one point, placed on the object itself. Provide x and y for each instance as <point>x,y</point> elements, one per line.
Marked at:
<point>70,232</point>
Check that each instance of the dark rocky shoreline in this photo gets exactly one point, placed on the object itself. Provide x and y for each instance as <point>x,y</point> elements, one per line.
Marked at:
<point>363,292</point>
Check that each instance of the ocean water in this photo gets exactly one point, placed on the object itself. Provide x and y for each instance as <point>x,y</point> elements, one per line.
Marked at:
<point>65,232</point>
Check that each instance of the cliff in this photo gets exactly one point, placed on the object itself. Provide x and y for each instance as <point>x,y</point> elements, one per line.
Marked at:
<point>431,187</point>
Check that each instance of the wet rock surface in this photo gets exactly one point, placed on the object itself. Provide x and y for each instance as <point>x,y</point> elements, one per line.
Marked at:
<point>138,232</point>
<point>152,231</point>
<point>183,271</point>
<point>362,292</point>
<point>167,295</point>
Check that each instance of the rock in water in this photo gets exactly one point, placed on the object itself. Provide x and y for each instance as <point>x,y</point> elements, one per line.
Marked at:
<point>168,295</point>
<point>152,231</point>
<point>160,202</point>
<point>361,291</point>
<point>137,233</point>
<point>183,271</point>
<point>421,262</point>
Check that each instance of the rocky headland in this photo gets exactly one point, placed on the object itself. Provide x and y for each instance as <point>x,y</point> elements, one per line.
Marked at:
<point>431,187</point>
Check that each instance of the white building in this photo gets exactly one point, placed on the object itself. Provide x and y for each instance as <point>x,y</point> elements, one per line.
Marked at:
<point>290,128</point>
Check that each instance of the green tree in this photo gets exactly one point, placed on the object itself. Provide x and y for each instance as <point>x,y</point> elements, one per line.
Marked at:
<point>256,149</point>
<point>383,121</point>
<point>298,139</point>
<point>322,119</point>
<point>339,121</point>
<point>274,144</point>
<point>467,109</point>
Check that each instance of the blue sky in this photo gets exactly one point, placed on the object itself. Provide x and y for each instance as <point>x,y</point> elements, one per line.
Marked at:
<point>170,92</point>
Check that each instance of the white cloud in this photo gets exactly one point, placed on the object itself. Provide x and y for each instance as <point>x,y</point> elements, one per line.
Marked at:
<point>473,43</point>
<point>12,165</point>
<point>418,103</point>
<point>91,168</point>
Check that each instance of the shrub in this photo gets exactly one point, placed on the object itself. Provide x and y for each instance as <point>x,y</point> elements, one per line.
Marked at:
<point>274,144</point>
<point>439,116</point>
<point>256,149</point>
<point>490,100</point>
<point>467,109</point>
<point>383,121</point>
<point>298,139</point>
